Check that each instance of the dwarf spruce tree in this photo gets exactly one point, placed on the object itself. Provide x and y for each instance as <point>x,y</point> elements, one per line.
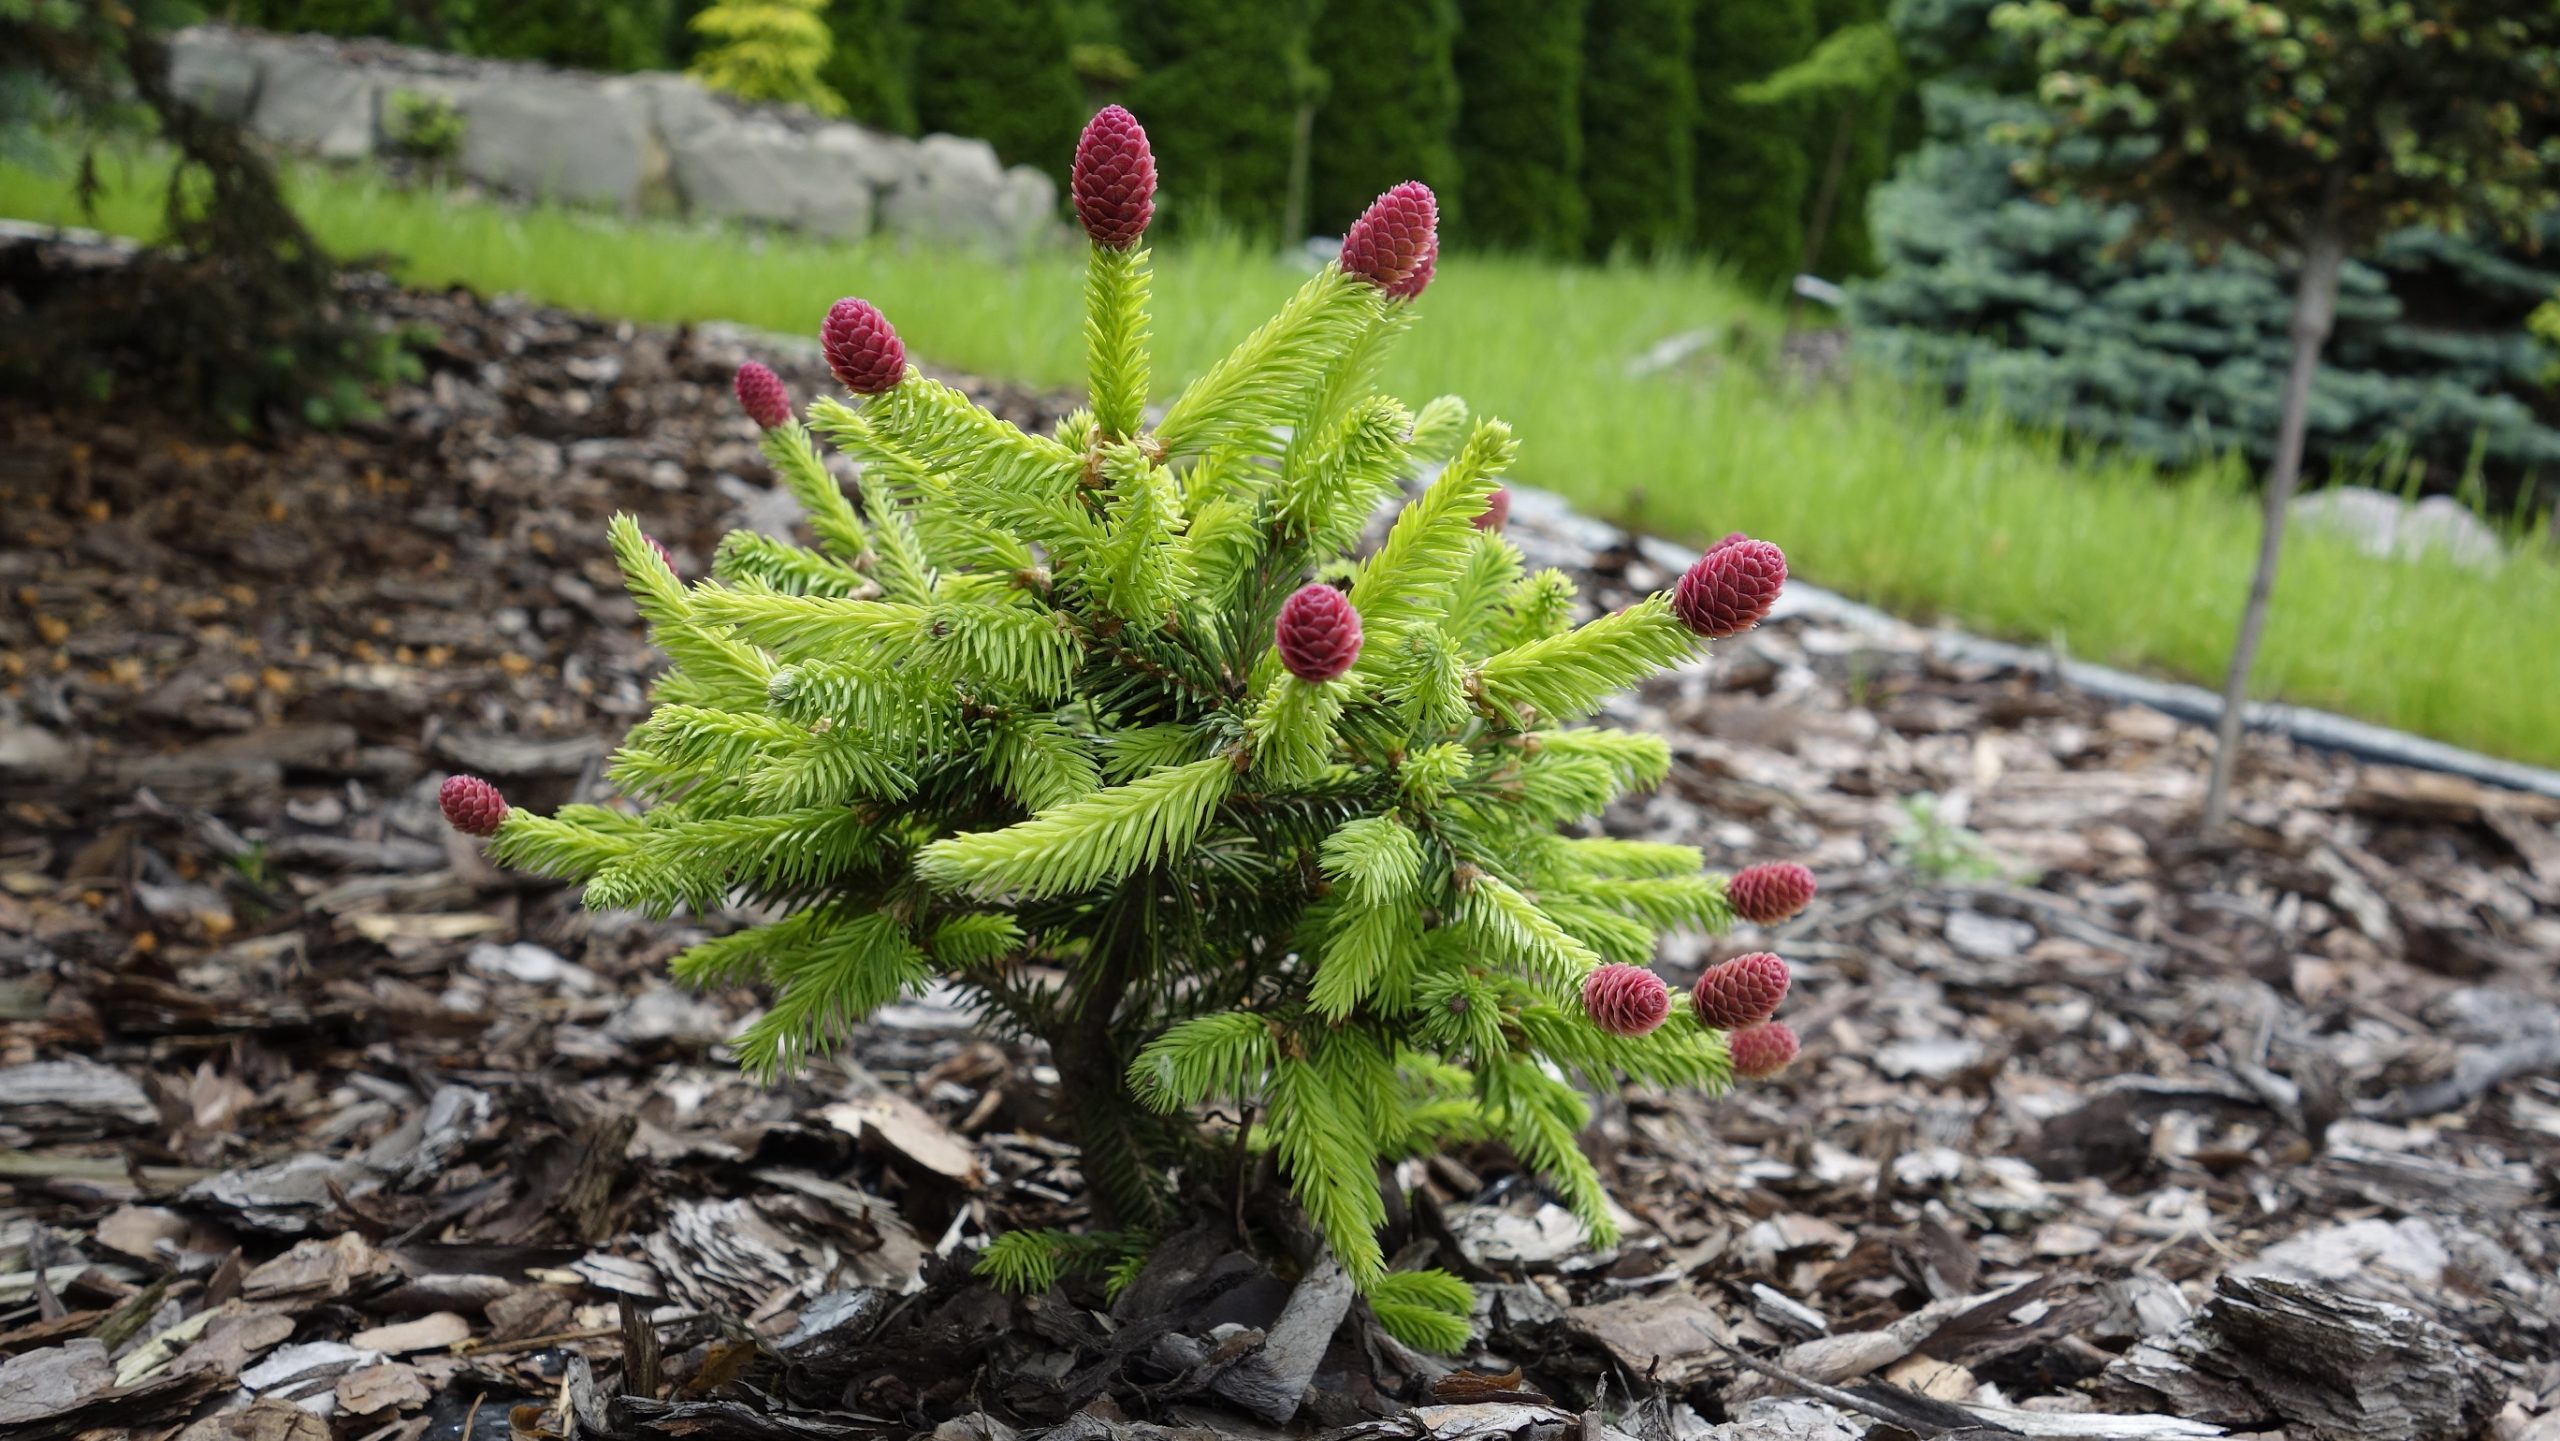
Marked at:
<point>1108,728</point>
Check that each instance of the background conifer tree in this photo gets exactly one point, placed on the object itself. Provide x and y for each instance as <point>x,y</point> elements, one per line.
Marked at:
<point>1519,138</point>
<point>1069,720</point>
<point>873,53</point>
<point>1226,85</point>
<point>771,50</point>
<point>1390,105</point>
<point>1639,124</point>
<point>1752,176</point>
<point>996,70</point>
<point>2306,130</point>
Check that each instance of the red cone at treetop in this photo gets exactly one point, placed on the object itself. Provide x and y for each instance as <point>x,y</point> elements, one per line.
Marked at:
<point>862,349</point>
<point>1114,179</point>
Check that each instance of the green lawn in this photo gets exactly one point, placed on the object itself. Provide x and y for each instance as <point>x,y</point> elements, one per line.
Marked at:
<point>1879,493</point>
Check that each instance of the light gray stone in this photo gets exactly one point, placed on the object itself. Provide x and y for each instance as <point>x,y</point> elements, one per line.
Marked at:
<point>216,70</point>
<point>761,171</point>
<point>2384,526</point>
<point>558,136</point>
<point>961,194</point>
<point>312,101</point>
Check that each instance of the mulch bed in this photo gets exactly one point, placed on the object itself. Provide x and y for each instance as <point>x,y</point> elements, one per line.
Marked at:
<point>313,1124</point>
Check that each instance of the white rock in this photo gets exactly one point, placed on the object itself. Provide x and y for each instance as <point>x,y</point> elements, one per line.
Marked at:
<point>2386,527</point>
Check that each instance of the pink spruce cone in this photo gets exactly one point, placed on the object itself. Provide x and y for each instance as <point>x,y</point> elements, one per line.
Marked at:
<point>762,396</point>
<point>861,347</point>
<point>1412,286</point>
<point>1497,510</point>
<point>666,557</point>
<point>1114,179</point>
<point>472,805</point>
<point>1769,893</point>
<point>1731,588</point>
<point>1391,239</point>
<point>1625,1000</point>
<point>1761,1051</point>
<point>1729,538</point>
<point>1318,633</point>
<point>1740,992</point>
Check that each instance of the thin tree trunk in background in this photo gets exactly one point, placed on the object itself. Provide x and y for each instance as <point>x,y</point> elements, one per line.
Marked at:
<point>2315,304</point>
<point>1293,208</point>
<point>1818,228</point>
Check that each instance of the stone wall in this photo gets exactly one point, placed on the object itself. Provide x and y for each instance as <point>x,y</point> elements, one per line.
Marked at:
<point>621,141</point>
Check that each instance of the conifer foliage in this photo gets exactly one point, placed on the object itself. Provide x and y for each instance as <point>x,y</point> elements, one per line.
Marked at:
<point>1106,727</point>
<point>767,50</point>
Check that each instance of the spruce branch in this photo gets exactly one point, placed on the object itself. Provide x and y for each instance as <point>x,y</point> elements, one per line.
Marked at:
<point>1115,339</point>
<point>1265,380</point>
<point>1103,837</point>
<point>1575,673</point>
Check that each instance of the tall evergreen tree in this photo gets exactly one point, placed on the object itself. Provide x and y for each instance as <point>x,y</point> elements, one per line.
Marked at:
<point>582,34</point>
<point>1753,177</point>
<point>1520,123</point>
<point>997,70</point>
<point>1390,109</point>
<point>1639,124</point>
<point>1222,86</point>
<point>1865,131</point>
<point>875,52</point>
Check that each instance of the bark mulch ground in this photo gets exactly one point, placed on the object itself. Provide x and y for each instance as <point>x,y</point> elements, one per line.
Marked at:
<point>312,1124</point>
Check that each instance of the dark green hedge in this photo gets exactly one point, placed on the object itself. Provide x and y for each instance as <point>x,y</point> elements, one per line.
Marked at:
<point>1219,89</point>
<point>997,70</point>
<point>1639,119</point>
<point>1390,107</point>
<point>1520,124</point>
<point>1753,175</point>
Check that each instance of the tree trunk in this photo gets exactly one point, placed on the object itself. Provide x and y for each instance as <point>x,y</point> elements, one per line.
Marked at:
<point>1293,205</point>
<point>2315,304</point>
<point>1818,228</point>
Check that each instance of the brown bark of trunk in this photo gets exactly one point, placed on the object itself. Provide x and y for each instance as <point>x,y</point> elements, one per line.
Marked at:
<point>2315,304</point>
